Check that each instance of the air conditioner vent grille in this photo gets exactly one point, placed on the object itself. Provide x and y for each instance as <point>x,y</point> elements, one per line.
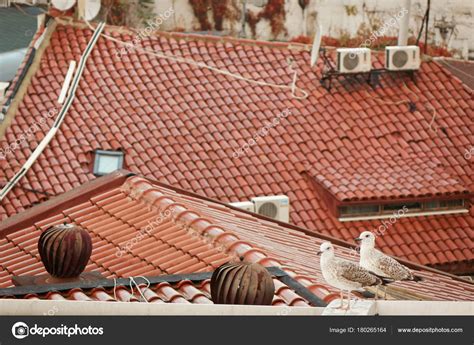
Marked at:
<point>351,61</point>
<point>268,209</point>
<point>400,58</point>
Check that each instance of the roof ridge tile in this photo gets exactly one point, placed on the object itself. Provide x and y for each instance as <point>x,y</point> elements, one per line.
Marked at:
<point>139,188</point>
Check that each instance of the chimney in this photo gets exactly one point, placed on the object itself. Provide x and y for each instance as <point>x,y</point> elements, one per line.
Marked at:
<point>404,20</point>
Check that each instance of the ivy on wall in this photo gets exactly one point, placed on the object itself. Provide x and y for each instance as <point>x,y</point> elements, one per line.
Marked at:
<point>221,10</point>
<point>274,12</point>
<point>127,12</point>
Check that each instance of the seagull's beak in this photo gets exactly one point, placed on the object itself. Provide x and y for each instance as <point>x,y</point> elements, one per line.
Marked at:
<point>319,253</point>
<point>358,239</point>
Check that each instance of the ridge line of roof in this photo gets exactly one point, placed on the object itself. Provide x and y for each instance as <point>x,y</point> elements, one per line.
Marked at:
<point>141,189</point>
<point>218,235</point>
<point>62,201</point>
<point>118,178</point>
<point>192,36</point>
<point>308,232</point>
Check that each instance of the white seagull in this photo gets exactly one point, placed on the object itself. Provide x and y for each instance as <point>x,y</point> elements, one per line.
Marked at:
<point>344,275</point>
<point>380,264</point>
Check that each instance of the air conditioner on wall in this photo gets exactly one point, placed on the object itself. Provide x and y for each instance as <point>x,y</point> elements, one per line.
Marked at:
<point>276,207</point>
<point>353,60</point>
<point>399,58</point>
<point>244,205</point>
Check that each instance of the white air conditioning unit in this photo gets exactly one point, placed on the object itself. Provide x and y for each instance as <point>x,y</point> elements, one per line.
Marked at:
<point>244,205</point>
<point>399,58</point>
<point>276,207</point>
<point>353,60</point>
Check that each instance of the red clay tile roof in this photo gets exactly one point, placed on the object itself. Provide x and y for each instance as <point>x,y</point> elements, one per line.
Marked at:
<point>200,235</point>
<point>367,176</point>
<point>181,124</point>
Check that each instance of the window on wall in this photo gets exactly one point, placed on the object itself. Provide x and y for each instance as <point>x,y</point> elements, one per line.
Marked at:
<point>413,206</point>
<point>106,162</point>
<point>417,208</point>
<point>359,210</point>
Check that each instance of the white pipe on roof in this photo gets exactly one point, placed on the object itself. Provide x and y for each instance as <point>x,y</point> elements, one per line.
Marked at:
<point>404,21</point>
<point>57,123</point>
<point>67,82</point>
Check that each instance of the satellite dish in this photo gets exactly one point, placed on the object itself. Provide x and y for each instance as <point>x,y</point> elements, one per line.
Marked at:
<point>91,9</point>
<point>63,5</point>
<point>316,45</point>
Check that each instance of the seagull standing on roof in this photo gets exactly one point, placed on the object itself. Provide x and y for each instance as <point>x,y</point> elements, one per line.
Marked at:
<point>344,275</point>
<point>380,264</point>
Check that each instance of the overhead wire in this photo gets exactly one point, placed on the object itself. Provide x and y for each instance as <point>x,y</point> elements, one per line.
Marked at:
<point>57,123</point>
<point>408,101</point>
<point>303,94</point>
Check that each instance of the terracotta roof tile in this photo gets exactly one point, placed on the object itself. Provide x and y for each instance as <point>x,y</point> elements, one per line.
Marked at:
<point>197,236</point>
<point>180,124</point>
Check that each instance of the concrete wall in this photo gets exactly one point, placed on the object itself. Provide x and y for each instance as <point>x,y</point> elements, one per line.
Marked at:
<point>11,307</point>
<point>366,307</point>
<point>346,18</point>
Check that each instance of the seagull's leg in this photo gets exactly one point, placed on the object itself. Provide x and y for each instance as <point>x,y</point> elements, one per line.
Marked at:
<point>384,292</point>
<point>348,302</point>
<point>376,293</point>
<point>342,301</point>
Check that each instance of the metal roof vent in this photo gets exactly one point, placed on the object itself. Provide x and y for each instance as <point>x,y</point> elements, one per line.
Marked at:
<point>242,283</point>
<point>65,250</point>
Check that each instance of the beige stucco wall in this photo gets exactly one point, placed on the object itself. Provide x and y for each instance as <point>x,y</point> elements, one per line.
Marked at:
<point>345,17</point>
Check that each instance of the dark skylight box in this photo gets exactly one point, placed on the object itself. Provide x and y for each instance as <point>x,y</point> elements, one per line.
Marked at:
<point>409,209</point>
<point>411,206</point>
<point>106,162</point>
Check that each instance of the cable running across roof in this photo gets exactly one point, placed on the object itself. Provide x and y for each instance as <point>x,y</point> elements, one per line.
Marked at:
<point>293,88</point>
<point>60,118</point>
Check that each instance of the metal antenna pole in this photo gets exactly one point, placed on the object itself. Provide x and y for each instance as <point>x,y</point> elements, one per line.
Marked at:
<point>426,27</point>
<point>244,12</point>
